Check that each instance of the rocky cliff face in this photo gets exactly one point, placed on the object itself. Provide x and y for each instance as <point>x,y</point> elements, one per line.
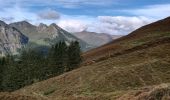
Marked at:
<point>47,35</point>
<point>11,39</point>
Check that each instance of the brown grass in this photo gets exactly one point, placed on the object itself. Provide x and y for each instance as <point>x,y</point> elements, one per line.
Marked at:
<point>110,78</point>
<point>9,96</point>
<point>140,36</point>
<point>159,92</point>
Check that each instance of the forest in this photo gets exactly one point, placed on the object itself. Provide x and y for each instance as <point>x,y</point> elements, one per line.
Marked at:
<point>34,66</point>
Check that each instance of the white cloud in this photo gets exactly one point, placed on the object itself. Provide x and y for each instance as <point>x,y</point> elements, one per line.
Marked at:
<point>152,11</point>
<point>117,25</point>
<point>49,14</point>
<point>17,14</point>
<point>73,25</point>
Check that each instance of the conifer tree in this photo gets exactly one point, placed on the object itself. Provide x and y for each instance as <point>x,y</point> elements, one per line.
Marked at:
<point>2,63</point>
<point>74,55</point>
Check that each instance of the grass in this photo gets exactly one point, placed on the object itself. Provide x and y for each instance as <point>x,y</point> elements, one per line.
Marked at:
<point>156,92</point>
<point>107,78</point>
<point>49,91</point>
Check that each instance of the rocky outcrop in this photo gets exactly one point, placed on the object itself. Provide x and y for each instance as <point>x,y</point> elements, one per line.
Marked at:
<point>11,39</point>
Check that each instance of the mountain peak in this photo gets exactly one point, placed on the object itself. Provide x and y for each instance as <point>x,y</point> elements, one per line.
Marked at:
<point>22,23</point>
<point>2,23</point>
<point>42,26</point>
<point>54,25</point>
<point>25,22</point>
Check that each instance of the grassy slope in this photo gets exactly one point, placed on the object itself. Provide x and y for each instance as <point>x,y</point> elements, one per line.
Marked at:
<point>9,96</point>
<point>140,36</point>
<point>157,92</point>
<point>109,78</point>
<point>139,59</point>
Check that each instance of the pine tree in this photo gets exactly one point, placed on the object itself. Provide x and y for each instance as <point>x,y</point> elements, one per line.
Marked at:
<point>2,63</point>
<point>74,55</point>
<point>61,57</point>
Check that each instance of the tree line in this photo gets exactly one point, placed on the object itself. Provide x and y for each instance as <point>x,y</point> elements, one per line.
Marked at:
<point>33,66</point>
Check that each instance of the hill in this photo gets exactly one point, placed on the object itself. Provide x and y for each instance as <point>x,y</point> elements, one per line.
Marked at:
<point>96,39</point>
<point>46,35</point>
<point>11,39</point>
<point>151,32</point>
<point>137,60</point>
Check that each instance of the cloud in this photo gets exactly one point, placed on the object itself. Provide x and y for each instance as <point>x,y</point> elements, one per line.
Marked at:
<point>152,11</point>
<point>49,15</point>
<point>115,25</point>
<point>73,25</point>
<point>7,19</point>
<point>118,25</point>
<point>16,13</point>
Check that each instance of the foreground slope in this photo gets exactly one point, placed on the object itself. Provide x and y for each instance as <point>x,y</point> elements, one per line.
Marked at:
<point>111,78</point>
<point>140,36</point>
<point>145,61</point>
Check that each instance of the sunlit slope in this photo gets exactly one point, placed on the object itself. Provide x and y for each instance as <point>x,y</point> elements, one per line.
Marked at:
<point>156,30</point>
<point>110,78</point>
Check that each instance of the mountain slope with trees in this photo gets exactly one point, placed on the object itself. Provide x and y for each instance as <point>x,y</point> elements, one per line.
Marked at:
<point>145,63</point>
<point>32,66</point>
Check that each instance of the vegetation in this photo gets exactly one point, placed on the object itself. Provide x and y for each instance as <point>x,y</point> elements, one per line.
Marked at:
<point>33,66</point>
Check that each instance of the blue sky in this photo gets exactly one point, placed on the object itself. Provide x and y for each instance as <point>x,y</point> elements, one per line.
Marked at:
<point>115,17</point>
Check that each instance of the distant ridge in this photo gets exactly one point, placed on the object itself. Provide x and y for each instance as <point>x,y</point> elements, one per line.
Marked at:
<point>96,39</point>
<point>47,35</point>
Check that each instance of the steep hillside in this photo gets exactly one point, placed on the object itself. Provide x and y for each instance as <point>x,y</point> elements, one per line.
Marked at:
<point>11,39</point>
<point>143,60</point>
<point>156,30</point>
<point>47,35</point>
<point>144,65</point>
<point>95,39</point>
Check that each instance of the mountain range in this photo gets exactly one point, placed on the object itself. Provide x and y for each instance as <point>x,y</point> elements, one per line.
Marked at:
<point>15,35</point>
<point>44,35</point>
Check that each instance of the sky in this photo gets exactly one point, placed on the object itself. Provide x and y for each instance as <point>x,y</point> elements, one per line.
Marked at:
<point>116,17</point>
